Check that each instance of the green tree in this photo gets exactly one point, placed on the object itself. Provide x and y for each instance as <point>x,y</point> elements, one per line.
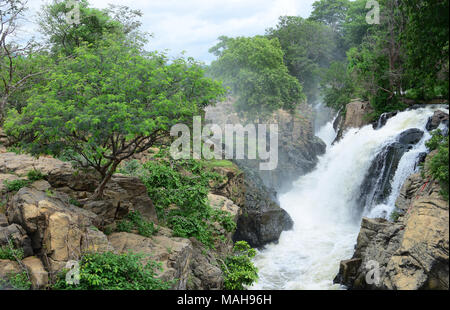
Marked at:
<point>18,60</point>
<point>308,46</point>
<point>254,70</point>
<point>107,103</point>
<point>238,268</point>
<point>337,86</point>
<point>93,24</point>
<point>426,40</point>
<point>330,12</point>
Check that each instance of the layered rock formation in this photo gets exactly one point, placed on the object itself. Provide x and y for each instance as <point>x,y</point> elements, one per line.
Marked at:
<point>354,116</point>
<point>298,148</point>
<point>52,222</point>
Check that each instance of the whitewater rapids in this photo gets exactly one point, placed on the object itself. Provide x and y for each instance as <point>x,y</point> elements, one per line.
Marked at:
<point>323,206</point>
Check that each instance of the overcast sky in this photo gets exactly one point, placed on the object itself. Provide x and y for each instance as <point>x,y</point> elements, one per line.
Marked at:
<point>195,25</point>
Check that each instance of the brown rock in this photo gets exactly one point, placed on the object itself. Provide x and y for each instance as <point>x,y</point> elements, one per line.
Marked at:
<point>174,253</point>
<point>38,274</point>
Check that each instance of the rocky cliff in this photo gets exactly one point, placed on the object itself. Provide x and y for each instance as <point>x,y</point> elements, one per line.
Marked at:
<point>52,222</point>
<point>355,115</point>
<point>298,148</point>
<point>410,253</point>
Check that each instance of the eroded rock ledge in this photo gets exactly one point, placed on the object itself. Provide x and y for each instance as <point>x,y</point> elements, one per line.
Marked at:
<point>412,252</point>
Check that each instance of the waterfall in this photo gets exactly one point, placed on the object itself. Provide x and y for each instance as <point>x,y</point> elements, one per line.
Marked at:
<point>324,206</point>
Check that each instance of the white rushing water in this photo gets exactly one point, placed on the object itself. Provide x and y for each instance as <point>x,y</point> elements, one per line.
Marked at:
<point>323,206</point>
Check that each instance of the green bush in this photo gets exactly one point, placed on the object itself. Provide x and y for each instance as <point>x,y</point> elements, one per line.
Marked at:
<point>15,185</point>
<point>135,220</point>
<point>438,166</point>
<point>10,252</point>
<point>109,271</point>
<point>239,269</point>
<point>17,281</point>
<point>179,190</point>
<point>35,175</point>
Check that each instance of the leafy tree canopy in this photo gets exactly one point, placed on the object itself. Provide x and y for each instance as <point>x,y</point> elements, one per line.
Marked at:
<point>254,70</point>
<point>107,103</point>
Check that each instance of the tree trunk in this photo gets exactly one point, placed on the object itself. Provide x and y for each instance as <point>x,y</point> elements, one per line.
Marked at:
<point>98,194</point>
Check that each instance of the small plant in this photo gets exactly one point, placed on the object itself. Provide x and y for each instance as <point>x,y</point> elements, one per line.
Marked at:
<point>395,215</point>
<point>35,175</point>
<point>438,166</point>
<point>135,220</point>
<point>15,185</point>
<point>110,271</point>
<point>49,193</point>
<point>238,268</point>
<point>10,252</point>
<point>20,281</point>
<point>74,202</point>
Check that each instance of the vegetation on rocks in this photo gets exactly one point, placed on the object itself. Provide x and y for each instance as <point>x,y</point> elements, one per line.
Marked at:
<point>109,271</point>
<point>238,268</point>
<point>438,166</point>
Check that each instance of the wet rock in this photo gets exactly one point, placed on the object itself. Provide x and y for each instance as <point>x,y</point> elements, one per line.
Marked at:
<point>382,120</point>
<point>436,119</point>
<point>410,137</point>
<point>411,253</point>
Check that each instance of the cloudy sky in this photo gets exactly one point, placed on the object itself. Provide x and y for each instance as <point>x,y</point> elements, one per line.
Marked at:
<point>194,25</point>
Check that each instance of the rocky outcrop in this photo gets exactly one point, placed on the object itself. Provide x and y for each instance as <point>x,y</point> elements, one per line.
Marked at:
<point>18,236</point>
<point>173,253</point>
<point>436,119</point>
<point>8,268</point>
<point>376,186</point>
<point>37,273</point>
<point>298,148</point>
<point>262,219</point>
<point>408,254</point>
<point>59,231</point>
<point>355,117</point>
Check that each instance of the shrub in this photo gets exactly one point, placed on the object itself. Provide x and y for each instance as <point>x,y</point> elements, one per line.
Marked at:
<point>15,185</point>
<point>35,175</point>
<point>17,281</point>
<point>10,252</point>
<point>438,166</point>
<point>109,271</point>
<point>239,269</point>
<point>135,220</point>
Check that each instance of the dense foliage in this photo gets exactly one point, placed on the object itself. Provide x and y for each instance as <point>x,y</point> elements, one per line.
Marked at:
<point>256,73</point>
<point>239,269</point>
<point>179,190</point>
<point>109,271</point>
<point>438,166</point>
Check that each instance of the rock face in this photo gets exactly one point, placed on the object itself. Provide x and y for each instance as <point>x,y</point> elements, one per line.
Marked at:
<point>58,230</point>
<point>436,119</point>
<point>262,220</point>
<point>298,148</point>
<point>411,253</point>
<point>376,186</point>
<point>174,253</point>
<point>38,274</point>
<point>8,268</point>
<point>19,238</point>
<point>355,117</point>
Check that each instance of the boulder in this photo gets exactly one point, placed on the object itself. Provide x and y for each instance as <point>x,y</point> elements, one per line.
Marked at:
<point>18,236</point>
<point>262,219</point>
<point>58,230</point>
<point>37,273</point>
<point>410,136</point>
<point>20,164</point>
<point>7,268</point>
<point>205,272</point>
<point>355,117</point>
<point>174,253</point>
<point>436,119</point>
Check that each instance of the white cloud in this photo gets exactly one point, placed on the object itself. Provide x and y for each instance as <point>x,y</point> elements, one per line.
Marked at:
<point>195,25</point>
